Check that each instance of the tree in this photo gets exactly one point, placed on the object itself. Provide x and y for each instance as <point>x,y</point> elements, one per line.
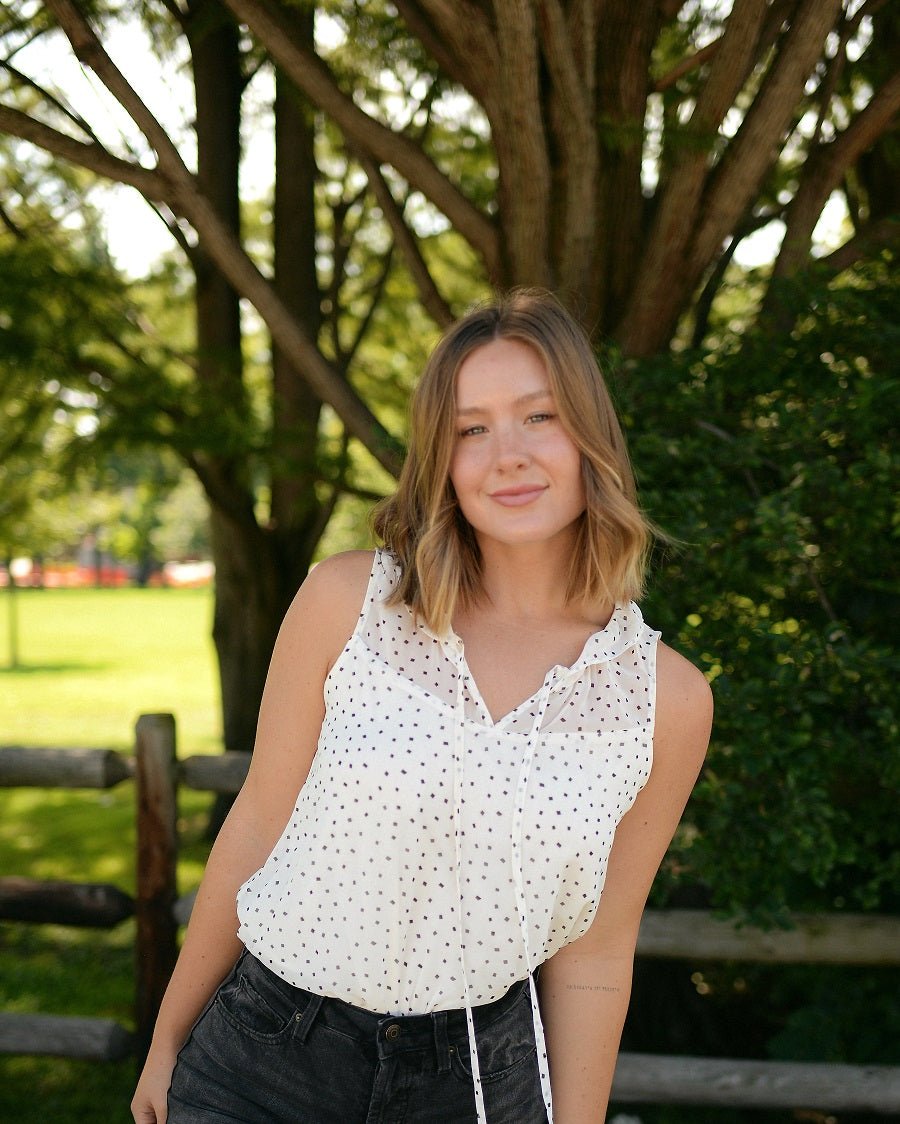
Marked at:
<point>59,303</point>
<point>211,417</point>
<point>582,100</point>
<point>586,101</point>
<point>617,152</point>
<point>68,334</point>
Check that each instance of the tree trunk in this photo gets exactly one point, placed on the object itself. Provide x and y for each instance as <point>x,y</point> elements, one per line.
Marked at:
<point>246,600</point>
<point>248,609</point>
<point>295,507</point>
<point>627,33</point>
<point>258,568</point>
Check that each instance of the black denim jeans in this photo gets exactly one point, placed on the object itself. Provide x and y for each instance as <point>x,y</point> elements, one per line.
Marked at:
<point>265,1052</point>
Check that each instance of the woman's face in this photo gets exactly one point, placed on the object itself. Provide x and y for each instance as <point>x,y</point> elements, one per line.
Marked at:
<point>515,469</point>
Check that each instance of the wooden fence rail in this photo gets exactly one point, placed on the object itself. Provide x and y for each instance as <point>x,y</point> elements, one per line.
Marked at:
<point>730,1083</point>
<point>860,939</point>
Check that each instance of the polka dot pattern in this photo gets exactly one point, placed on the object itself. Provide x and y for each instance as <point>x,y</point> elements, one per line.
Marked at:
<point>360,898</point>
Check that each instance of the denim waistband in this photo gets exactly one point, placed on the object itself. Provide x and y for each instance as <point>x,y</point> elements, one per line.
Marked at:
<point>391,1033</point>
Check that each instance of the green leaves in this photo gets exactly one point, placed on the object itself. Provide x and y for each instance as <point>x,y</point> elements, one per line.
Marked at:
<point>772,462</point>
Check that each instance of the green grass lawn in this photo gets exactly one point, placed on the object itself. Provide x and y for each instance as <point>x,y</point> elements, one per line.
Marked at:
<point>91,661</point>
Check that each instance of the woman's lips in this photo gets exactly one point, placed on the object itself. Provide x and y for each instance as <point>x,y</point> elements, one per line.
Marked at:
<point>517,497</point>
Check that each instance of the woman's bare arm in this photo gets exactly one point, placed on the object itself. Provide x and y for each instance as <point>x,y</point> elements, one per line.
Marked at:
<point>314,631</point>
<point>586,986</point>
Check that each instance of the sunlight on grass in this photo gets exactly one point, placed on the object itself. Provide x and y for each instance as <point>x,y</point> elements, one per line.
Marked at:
<point>91,662</point>
<point>89,836</point>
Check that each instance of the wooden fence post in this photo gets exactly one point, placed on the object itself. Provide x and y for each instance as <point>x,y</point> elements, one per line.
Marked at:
<point>157,847</point>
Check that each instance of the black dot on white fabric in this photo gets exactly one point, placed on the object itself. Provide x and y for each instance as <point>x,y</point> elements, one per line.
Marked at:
<point>360,898</point>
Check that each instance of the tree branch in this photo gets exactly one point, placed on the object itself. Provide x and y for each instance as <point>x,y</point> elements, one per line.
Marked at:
<point>92,156</point>
<point>761,134</point>
<point>95,158</point>
<point>175,10</point>
<point>866,242</point>
<point>692,62</point>
<point>10,224</point>
<point>51,99</point>
<point>170,222</point>
<point>834,68</point>
<point>825,169</point>
<point>582,23</point>
<point>669,9</point>
<point>89,51</point>
<point>680,200</point>
<point>310,74</point>
<point>429,294</point>
<point>342,243</point>
<point>703,306</point>
<point>223,247</point>
<point>218,492</point>
<point>681,196</point>
<point>360,493</point>
<point>377,289</point>
<point>734,58</point>
<point>696,212</point>
<point>457,36</point>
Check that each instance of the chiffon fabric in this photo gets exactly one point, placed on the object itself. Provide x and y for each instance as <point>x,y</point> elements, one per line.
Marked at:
<point>437,855</point>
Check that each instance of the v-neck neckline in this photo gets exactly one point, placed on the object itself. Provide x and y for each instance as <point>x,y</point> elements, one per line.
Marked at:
<point>592,651</point>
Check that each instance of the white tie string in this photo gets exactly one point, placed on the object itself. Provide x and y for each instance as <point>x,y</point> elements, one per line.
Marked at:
<point>519,882</point>
<point>458,768</point>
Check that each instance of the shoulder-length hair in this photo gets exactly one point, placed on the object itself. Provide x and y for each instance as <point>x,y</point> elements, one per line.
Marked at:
<point>422,524</point>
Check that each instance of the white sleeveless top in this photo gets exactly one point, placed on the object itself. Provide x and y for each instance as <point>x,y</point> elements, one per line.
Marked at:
<point>429,841</point>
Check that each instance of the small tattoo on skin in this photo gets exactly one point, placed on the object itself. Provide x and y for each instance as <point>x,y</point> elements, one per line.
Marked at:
<point>591,987</point>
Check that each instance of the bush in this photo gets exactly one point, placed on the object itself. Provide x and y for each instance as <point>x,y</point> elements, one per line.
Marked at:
<point>772,463</point>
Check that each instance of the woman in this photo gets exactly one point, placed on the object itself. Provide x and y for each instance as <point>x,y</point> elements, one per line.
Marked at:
<point>469,717</point>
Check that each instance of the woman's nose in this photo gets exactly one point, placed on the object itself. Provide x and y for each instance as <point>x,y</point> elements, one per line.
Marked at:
<point>511,451</point>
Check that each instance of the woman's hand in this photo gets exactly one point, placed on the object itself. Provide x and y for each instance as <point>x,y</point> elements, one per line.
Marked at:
<point>150,1102</point>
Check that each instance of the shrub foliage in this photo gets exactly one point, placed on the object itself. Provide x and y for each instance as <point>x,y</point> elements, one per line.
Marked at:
<point>772,463</point>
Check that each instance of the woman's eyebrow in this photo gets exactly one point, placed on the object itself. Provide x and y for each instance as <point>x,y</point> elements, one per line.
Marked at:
<point>523,400</point>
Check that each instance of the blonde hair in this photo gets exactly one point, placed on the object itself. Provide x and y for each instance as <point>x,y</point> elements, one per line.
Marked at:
<point>422,524</point>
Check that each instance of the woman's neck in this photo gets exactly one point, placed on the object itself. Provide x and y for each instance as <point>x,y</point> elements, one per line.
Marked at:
<point>528,583</point>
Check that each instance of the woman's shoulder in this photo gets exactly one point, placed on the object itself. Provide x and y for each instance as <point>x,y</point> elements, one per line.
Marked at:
<point>677,673</point>
<point>684,705</point>
<point>343,575</point>
<point>341,580</point>
<point>329,601</point>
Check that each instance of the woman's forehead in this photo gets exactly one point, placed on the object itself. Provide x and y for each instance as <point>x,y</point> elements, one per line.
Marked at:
<point>505,369</point>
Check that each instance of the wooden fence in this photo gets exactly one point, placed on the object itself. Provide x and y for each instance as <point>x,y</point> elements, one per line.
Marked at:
<point>671,934</point>
<point>154,769</point>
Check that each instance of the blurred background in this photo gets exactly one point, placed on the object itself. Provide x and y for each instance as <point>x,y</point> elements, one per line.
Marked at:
<point>230,232</point>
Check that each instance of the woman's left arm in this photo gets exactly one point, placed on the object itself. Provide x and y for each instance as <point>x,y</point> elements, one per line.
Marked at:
<point>585,987</point>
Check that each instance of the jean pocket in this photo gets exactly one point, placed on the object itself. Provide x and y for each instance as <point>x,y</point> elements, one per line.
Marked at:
<point>247,1010</point>
<point>504,1047</point>
<point>462,1063</point>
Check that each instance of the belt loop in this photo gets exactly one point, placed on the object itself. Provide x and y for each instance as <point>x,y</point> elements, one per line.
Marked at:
<point>304,1019</point>
<point>441,1041</point>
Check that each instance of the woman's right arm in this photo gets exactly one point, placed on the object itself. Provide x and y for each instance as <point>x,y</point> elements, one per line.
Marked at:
<point>314,632</point>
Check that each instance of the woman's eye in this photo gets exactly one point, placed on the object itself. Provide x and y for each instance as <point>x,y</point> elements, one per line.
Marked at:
<point>539,417</point>
<point>471,431</point>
